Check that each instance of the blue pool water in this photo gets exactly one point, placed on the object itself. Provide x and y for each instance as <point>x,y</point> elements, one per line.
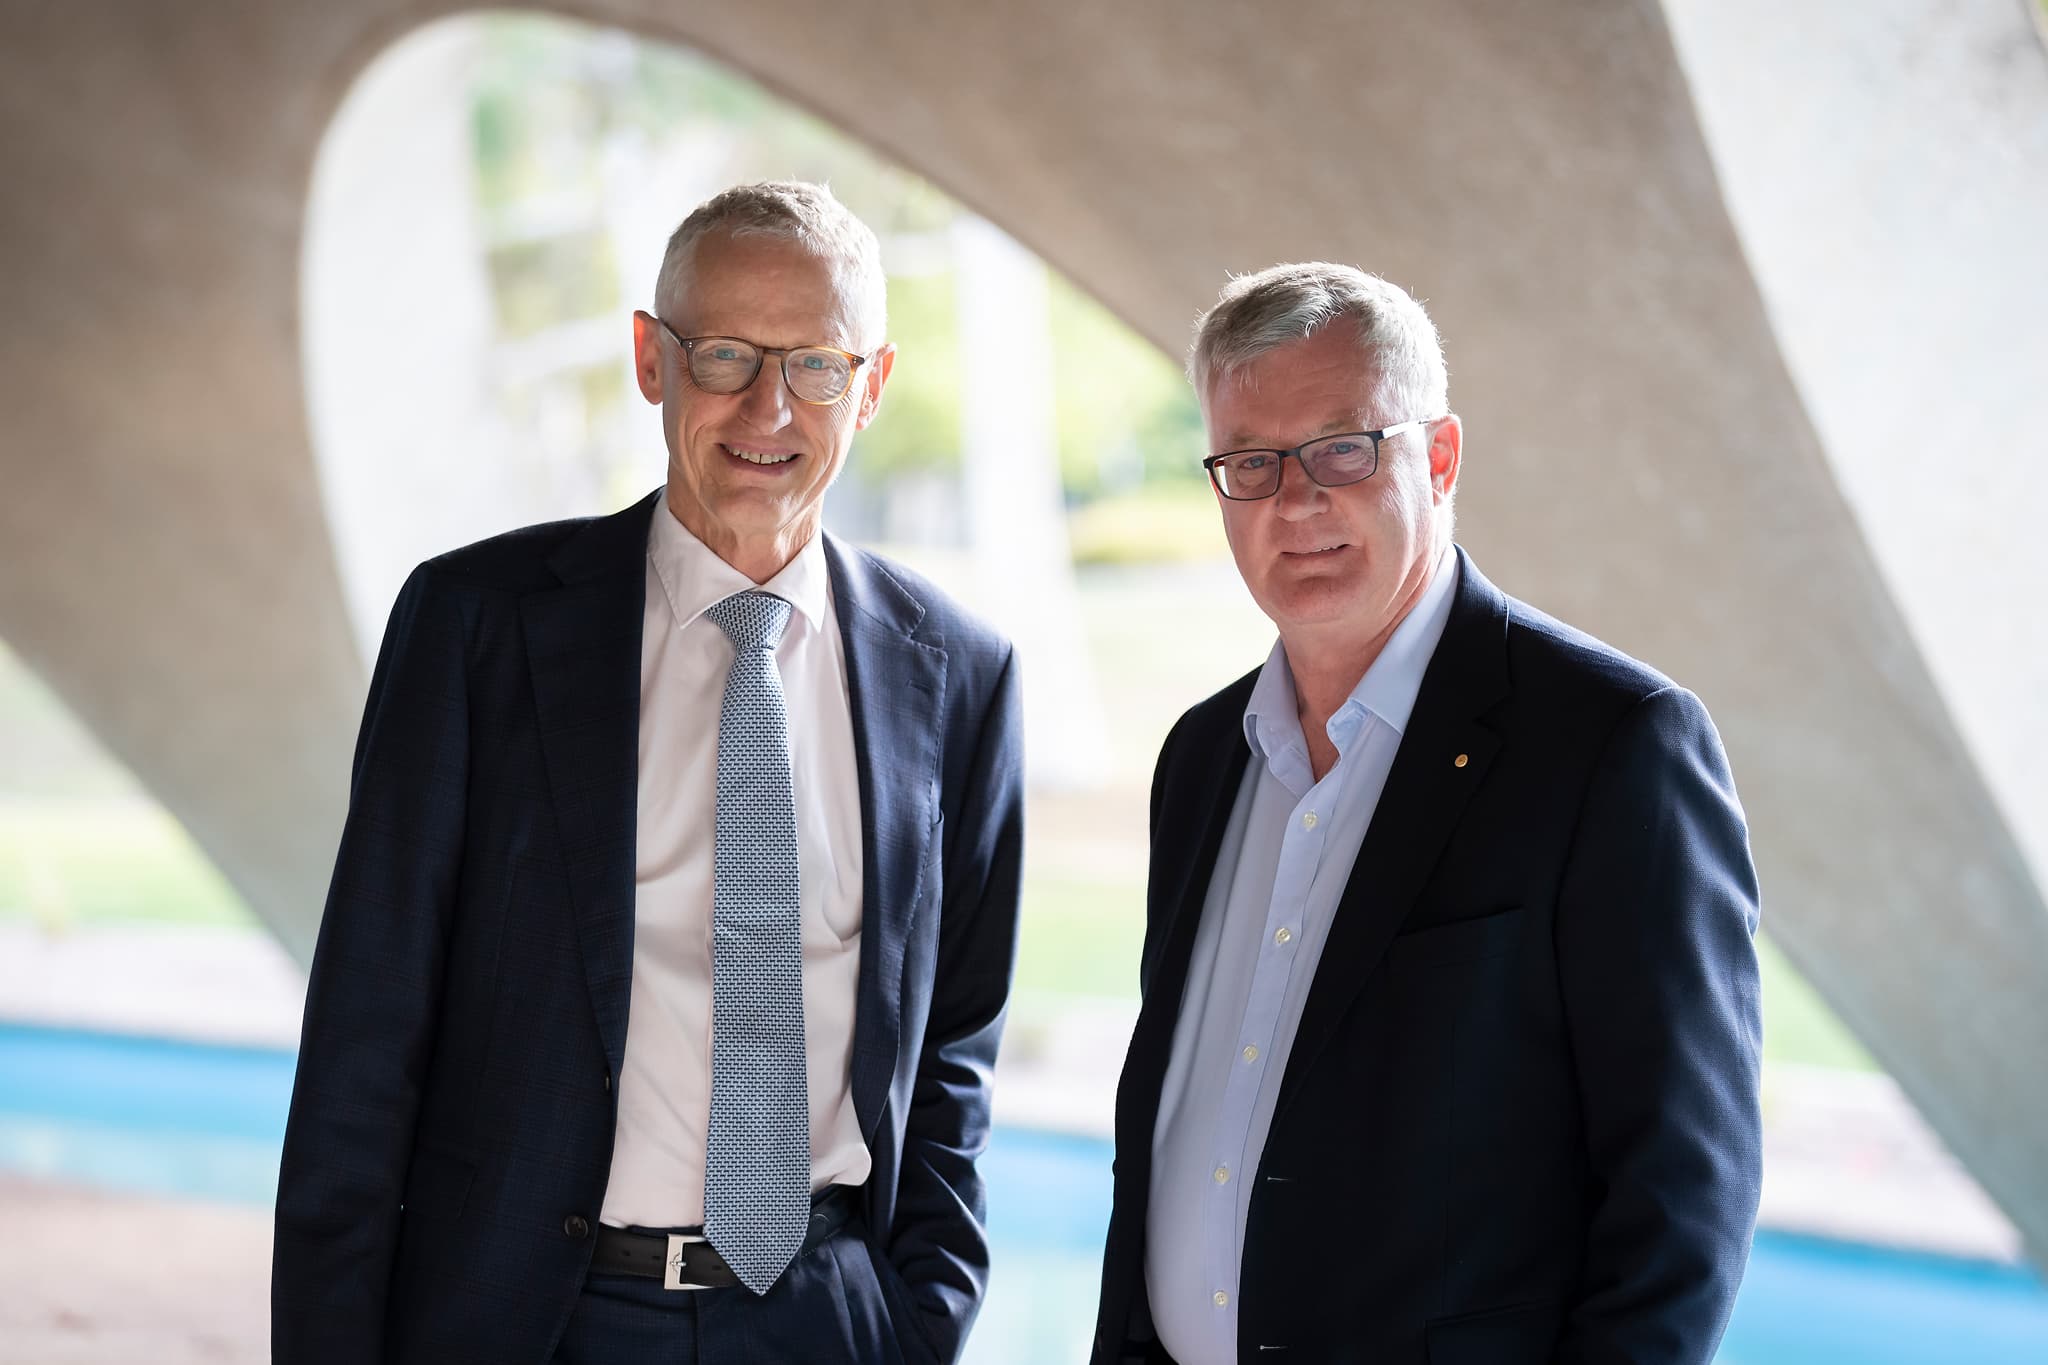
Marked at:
<point>206,1122</point>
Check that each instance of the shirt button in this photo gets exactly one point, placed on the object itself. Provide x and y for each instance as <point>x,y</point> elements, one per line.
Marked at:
<point>1221,1298</point>
<point>1251,1052</point>
<point>1308,821</point>
<point>1282,934</point>
<point>1222,1174</point>
<point>576,1227</point>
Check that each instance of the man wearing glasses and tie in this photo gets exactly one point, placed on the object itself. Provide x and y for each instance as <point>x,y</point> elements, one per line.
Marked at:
<point>1450,1033</point>
<point>661,977</point>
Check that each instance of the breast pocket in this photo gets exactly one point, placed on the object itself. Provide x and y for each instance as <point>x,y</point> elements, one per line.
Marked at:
<point>1464,940</point>
<point>1499,1336</point>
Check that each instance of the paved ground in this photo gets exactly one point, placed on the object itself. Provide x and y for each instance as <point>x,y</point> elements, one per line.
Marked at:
<point>1846,1155</point>
<point>95,1279</point>
<point>203,984</point>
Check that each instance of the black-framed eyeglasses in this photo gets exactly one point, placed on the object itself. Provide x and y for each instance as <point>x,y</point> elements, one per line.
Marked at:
<point>1332,461</point>
<point>723,365</point>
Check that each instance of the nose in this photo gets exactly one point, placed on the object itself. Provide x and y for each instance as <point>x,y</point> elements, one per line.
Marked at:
<point>767,401</point>
<point>1299,497</point>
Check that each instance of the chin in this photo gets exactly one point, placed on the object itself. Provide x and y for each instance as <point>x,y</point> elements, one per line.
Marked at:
<point>1308,603</point>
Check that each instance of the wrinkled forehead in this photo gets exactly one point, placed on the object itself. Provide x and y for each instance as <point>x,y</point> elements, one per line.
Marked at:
<point>1293,393</point>
<point>772,290</point>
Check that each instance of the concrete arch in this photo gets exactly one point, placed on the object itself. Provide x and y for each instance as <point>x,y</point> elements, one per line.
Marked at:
<point>1539,173</point>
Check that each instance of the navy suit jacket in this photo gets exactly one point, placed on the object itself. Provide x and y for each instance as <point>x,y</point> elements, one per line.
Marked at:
<point>451,1125</point>
<point>1519,1121</point>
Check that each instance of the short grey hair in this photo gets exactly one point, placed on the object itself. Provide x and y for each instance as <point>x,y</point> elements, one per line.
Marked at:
<point>796,211</point>
<point>1283,304</point>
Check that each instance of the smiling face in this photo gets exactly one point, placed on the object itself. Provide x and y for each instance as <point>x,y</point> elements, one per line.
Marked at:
<point>1335,568</point>
<point>747,472</point>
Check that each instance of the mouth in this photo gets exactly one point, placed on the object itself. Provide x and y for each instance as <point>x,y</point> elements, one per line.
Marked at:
<point>1318,551</point>
<point>761,459</point>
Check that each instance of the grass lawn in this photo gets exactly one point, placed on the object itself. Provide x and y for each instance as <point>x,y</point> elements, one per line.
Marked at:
<point>75,863</point>
<point>80,863</point>
<point>1083,939</point>
<point>1798,1025</point>
<point>1080,939</point>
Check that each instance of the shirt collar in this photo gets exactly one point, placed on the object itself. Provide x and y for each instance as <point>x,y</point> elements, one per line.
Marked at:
<point>695,578</point>
<point>1388,690</point>
<point>1389,687</point>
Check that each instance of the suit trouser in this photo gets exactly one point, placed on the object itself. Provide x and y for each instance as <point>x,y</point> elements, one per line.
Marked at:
<point>827,1307</point>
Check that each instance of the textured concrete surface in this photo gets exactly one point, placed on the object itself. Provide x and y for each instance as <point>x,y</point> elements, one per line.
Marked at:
<point>1886,167</point>
<point>1640,459</point>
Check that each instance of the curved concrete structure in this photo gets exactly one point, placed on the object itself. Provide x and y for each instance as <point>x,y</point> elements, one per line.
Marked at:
<point>1642,462</point>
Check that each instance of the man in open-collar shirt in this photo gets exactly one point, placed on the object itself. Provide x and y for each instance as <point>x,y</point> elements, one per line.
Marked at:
<point>1286,856</point>
<point>1450,1037</point>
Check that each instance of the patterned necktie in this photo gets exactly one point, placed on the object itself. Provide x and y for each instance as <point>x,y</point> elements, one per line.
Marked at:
<point>757,1164</point>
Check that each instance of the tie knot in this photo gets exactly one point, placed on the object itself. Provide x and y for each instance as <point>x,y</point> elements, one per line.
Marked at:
<point>751,620</point>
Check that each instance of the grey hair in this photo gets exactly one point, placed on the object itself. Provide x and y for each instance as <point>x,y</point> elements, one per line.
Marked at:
<point>1283,304</point>
<point>796,211</point>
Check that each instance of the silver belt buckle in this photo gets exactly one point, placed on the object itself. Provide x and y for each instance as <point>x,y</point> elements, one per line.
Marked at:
<point>672,1268</point>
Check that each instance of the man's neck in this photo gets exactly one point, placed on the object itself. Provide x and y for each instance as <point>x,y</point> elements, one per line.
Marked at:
<point>1326,671</point>
<point>760,558</point>
<point>1328,662</point>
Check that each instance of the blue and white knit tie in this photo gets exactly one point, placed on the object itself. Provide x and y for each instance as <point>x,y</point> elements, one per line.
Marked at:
<point>757,1164</point>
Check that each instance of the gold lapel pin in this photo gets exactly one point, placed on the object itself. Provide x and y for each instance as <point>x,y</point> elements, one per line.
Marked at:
<point>1460,761</point>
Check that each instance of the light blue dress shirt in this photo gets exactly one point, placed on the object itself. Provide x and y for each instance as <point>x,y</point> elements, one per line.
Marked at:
<point>1285,858</point>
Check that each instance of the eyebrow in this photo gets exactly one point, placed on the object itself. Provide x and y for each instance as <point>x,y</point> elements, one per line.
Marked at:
<point>1242,440</point>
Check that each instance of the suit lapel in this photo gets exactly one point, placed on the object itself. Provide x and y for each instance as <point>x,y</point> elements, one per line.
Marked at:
<point>1192,820</point>
<point>1425,794</point>
<point>583,650</point>
<point>1201,774</point>
<point>894,683</point>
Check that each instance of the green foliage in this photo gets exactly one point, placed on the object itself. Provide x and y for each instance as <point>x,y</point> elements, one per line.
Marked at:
<point>76,864</point>
<point>1080,938</point>
<point>1161,522</point>
<point>1124,414</point>
<point>918,427</point>
<point>543,281</point>
<point>550,95</point>
<point>532,113</point>
<point>1798,1025</point>
<point>47,753</point>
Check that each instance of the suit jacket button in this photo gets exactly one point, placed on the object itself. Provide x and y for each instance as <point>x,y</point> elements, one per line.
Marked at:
<point>576,1227</point>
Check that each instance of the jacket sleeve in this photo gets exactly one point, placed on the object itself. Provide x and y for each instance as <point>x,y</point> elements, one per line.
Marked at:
<point>939,1245</point>
<point>1164,772</point>
<point>1658,969</point>
<point>373,992</point>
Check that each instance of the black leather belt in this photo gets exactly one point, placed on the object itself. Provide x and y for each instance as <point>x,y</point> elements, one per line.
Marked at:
<point>684,1260</point>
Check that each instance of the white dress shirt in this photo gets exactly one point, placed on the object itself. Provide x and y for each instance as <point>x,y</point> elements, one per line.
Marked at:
<point>1282,867</point>
<point>657,1173</point>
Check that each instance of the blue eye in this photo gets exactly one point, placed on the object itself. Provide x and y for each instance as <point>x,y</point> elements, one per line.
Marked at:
<point>814,362</point>
<point>725,353</point>
<point>1342,448</point>
<point>1251,463</point>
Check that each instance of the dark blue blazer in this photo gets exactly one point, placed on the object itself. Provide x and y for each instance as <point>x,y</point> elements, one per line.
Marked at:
<point>1519,1120</point>
<point>451,1126</point>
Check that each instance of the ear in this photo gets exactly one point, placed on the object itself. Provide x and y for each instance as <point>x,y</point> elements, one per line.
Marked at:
<point>1446,447</point>
<point>647,358</point>
<point>878,368</point>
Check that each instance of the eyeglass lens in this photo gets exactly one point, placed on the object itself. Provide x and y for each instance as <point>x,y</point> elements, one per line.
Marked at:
<point>1331,462</point>
<point>726,365</point>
